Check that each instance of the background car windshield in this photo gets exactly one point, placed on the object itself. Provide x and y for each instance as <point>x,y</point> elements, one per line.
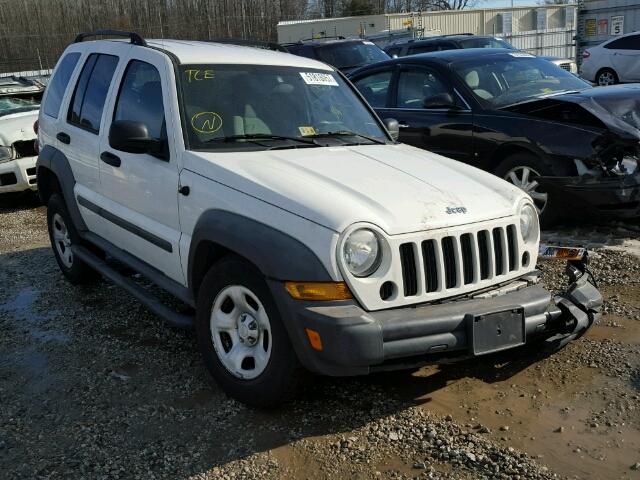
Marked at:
<point>355,54</point>
<point>10,105</point>
<point>485,43</point>
<point>499,81</point>
<point>229,100</point>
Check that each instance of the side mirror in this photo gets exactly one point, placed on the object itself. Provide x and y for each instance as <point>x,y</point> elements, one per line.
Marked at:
<point>133,137</point>
<point>441,100</point>
<point>393,127</point>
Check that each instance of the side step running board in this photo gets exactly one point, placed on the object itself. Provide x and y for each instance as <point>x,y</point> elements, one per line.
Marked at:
<point>170,316</point>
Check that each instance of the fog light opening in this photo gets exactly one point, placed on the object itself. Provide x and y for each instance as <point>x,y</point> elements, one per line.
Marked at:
<point>525,259</point>
<point>387,290</point>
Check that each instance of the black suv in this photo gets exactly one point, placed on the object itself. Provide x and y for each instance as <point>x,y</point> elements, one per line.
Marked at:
<point>346,54</point>
<point>445,42</point>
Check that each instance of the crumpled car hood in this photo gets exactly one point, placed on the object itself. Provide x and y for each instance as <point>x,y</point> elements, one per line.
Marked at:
<point>616,108</point>
<point>397,187</point>
<point>17,127</point>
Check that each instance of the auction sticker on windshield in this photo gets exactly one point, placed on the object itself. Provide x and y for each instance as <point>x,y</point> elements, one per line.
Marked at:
<point>521,55</point>
<point>313,78</point>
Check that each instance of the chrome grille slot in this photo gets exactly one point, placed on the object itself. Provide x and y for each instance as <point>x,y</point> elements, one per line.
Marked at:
<point>430,261</point>
<point>498,251</point>
<point>484,254</point>
<point>449,257</point>
<point>466,247</point>
<point>409,271</point>
<point>512,242</point>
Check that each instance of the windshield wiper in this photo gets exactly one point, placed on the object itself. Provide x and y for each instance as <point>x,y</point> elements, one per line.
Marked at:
<point>262,136</point>
<point>347,133</point>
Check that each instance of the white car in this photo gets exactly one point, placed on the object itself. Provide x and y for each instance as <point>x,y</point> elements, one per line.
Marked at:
<point>19,104</point>
<point>614,61</point>
<point>260,190</point>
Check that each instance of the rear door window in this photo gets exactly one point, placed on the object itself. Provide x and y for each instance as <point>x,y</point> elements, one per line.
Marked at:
<point>91,90</point>
<point>58,84</point>
<point>375,88</point>
<point>632,42</point>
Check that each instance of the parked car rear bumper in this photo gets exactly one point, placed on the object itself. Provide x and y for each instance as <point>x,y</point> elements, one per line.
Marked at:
<point>356,342</point>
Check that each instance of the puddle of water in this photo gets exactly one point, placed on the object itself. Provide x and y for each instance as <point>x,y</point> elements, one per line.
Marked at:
<point>22,310</point>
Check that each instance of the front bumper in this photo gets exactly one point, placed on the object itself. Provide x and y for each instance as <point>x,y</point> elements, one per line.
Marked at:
<point>18,175</point>
<point>608,197</point>
<point>356,342</point>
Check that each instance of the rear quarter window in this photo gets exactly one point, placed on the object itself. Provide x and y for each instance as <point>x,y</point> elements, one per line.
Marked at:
<point>58,84</point>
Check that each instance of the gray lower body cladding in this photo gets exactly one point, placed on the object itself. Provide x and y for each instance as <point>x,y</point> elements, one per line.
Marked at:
<point>356,342</point>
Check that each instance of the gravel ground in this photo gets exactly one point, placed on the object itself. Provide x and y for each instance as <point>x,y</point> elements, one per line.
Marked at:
<point>94,386</point>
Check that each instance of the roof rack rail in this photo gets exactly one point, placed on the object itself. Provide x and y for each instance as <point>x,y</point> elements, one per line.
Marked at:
<point>328,37</point>
<point>135,38</point>
<point>457,34</point>
<point>250,43</point>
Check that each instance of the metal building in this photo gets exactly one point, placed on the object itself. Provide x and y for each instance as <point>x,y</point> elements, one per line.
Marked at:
<point>542,30</point>
<point>600,20</point>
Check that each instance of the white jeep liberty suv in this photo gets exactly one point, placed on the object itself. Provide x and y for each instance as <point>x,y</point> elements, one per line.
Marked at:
<point>261,190</point>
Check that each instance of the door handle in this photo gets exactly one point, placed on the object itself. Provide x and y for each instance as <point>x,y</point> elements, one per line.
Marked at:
<point>110,159</point>
<point>403,125</point>
<point>64,138</point>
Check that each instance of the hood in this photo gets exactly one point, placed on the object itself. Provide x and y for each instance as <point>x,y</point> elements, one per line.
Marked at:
<point>615,108</point>
<point>399,188</point>
<point>17,127</point>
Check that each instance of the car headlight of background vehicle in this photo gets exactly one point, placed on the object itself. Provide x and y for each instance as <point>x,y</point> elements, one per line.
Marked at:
<point>529,225</point>
<point>6,153</point>
<point>362,252</point>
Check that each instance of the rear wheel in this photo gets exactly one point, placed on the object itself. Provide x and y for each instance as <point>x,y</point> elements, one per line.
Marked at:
<point>522,170</point>
<point>63,236</point>
<point>242,339</point>
<point>606,76</point>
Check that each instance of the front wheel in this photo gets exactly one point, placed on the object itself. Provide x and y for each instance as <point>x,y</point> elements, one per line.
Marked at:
<point>242,339</point>
<point>523,170</point>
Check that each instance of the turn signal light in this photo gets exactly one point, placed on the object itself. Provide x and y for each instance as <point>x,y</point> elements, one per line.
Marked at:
<point>314,339</point>
<point>322,291</point>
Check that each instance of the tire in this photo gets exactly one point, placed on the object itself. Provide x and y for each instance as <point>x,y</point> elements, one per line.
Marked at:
<point>63,234</point>
<point>513,168</point>
<point>606,76</point>
<point>264,371</point>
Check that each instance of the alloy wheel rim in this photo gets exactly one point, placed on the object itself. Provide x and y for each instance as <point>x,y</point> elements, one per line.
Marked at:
<point>525,179</point>
<point>241,332</point>
<point>605,79</point>
<point>62,240</point>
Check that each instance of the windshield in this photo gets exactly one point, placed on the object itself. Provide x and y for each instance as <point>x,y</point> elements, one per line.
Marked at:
<point>258,106</point>
<point>9,105</point>
<point>485,42</point>
<point>502,80</point>
<point>351,54</point>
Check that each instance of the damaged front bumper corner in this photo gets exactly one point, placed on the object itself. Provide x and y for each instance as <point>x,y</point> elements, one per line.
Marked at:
<point>356,342</point>
<point>607,197</point>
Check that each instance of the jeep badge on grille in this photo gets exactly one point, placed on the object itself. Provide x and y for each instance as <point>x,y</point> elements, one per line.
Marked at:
<point>452,210</point>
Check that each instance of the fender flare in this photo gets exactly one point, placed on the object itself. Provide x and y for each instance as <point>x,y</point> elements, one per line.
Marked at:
<point>276,254</point>
<point>54,160</point>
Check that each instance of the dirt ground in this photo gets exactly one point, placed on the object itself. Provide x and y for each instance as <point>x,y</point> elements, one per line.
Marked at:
<point>94,386</point>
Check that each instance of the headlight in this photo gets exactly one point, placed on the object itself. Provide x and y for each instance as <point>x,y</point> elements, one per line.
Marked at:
<point>529,223</point>
<point>6,153</point>
<point>362,252</point>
